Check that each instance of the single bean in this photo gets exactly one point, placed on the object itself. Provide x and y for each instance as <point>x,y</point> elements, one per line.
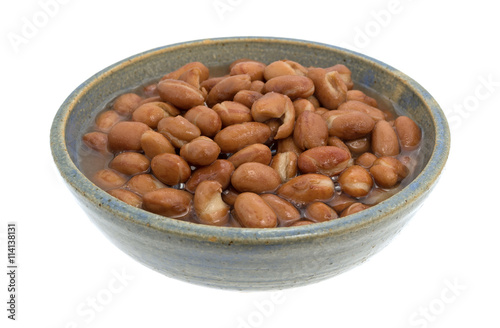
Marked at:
<point>310,131</point>
<point>335,141</point>
<point>353,208</point>
<point>231,112</point>
<point>252,211</point>
<point>200,151</point>
<point>126,103</point>
<point>327,160</point>
<point>170,169</point>
<point>341,202</point>
<point>220,171</point>
<point>255,177</point>
<point>307,188</point>
<point>238,136</point>
<point>126,136</point>
<point>168,202</point>
<point>127,196</point>
<point>178,72</point>
<point>227,88</point>
<point>366,160</point>
<point>348,125</point>
<point>254,69</point>
<point>384,140</point>
<point>97,141</point>
<point>106,120</point>
<point>358,106</point>
<point>285,164</point>
<point>359,146</point>
<point>130,163</point>
<point>301,223</point>
<point>192,76</point>
<point>356,181</point>
<point>409,133</point>
<point>293,86</point>
<point>154,143</point>
<point>107,179</point>
<point>361,96</point>
<point>286,213</point>
<point>208,204</point>
<point>178,130</point>
<point>143,183</point>
<point>320,212</point>
<point>259,153</point>
<point>388,171</point>
<point>330,88</point>
<point>284,67</point>
<point>206,119</point>
<point>275,105</point>
<point>180,94</point>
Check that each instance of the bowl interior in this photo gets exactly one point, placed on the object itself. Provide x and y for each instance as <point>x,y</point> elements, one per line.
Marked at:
<point>89,98</point>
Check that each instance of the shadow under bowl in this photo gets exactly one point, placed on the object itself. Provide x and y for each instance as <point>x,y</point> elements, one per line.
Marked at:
<point>244,258</point>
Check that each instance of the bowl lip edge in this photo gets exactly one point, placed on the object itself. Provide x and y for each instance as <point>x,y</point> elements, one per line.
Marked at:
<point>437,161</point>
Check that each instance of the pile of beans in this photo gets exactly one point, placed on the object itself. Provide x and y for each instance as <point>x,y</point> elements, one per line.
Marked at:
<point>266,145</point>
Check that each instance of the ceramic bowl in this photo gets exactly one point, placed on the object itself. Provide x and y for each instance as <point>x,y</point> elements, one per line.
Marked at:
<point>245,258</point>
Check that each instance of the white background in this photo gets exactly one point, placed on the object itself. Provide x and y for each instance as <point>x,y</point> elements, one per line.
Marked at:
<point>441,271</point>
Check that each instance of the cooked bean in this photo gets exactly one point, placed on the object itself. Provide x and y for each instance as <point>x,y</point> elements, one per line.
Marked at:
<point>126,136</point>
<point>259,153</point>
<point>154,143</point>
<point>180,94</point>
<point>253,212</point>
<point>286,213</point>
<point>168,202</point>
<point>206,119</point>
<point>254,69</point>
<point>275,105</point>
<point>107,179</point>
<point>227,88</point>
<point>143,183</point>
<point>293,86</point>
<point>310,131</point>
<point>220,171</point>
<point>356,181</point>
<point>384,140</point>
<point>285,164</point>
<point>307,188</point>
<point>408,132</point>
<point>97,141</point>
<point>238,136</point>
<point>327,160</point>
<point>330,88</point>
<point>129,163</point>
<point>152,112</point>
<point>126,103</point>
<point>170,169</point>
<point>255,177</point>
<point>178,130</point>
<point>127,196</point>
<point>200,151</point>
<point>106,120</point>
<point>348,125</point>
<point>320,212</point>
<point>231,112</point>
<point>208,204</point>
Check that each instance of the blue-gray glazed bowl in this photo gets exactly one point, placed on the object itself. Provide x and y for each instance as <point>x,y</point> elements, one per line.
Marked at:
<point>245,258</point>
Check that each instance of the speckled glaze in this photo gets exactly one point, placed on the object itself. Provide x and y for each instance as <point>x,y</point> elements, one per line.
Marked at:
<point>242,258</point>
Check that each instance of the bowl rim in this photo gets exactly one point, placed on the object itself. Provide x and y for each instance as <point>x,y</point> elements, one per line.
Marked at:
<point>416,189</point>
